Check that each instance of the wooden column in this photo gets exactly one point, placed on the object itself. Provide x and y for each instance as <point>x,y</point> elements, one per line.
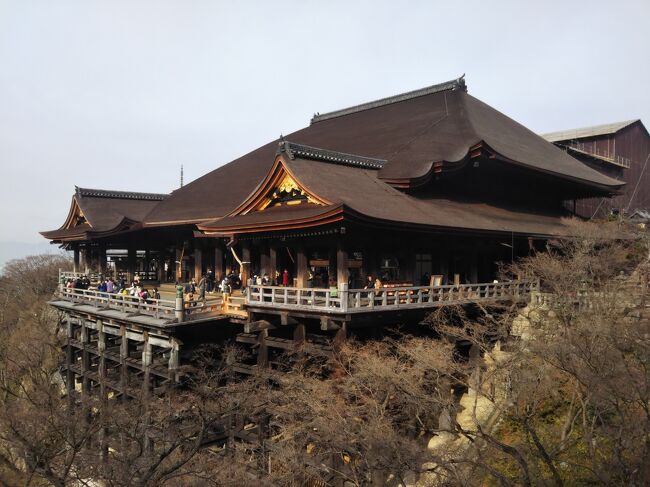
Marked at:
<point>198,264</point>
<point>101,257</point>
<point>273,263</point>
<point>262,349</point>
<point>103,393</point>
<point>124,354</point>
<point>77,266</point>
<point>301,268</point>
<point>178,265</point>
<point>130,263</point>
<point>85,358</point>
<point>146,362</point>
<point>265,262</point>
<point>162,275</point>
<point>246,264</point>
<point>342,271</point>
<point>173,359</point>
<point>87,260</point>
<point>69,353</point>
<point>473,265</point>
<point>218,263</point>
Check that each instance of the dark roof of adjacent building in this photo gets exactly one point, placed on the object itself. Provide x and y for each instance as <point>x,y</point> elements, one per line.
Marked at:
<point>100,212</point>
<point>408,133</point>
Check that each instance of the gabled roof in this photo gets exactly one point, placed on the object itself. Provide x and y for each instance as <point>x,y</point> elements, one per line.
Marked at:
<point>584,132</point>
<point>358,195</point>
<point>411,132</point>
<point>97,212</point>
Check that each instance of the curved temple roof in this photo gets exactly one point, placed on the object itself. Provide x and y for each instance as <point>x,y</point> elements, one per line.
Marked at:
<point>410,132</point>
<point>99,212</point>
<point>357,194</point>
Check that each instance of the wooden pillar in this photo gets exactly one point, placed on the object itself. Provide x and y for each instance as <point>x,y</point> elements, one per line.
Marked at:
<point>173,359</point>
<point>85,358</point>
<point>87,258</point>
<point>301,268</point>
<point>146,362</point>
<point>69,353</point>
<point>218,263</point>
<point>198,263</point>
<point>265,262</point>
<point>101,257</point>
<point>299,334</point>
<point>341,336</point>
<point>273,263</point>
<point>473,269</point>
<point>178,265</point>
<point>262,349</point>
<point>246,264</point>
<point>77,265</point>
<point>130,263</point>
<point>162,275</point>
<point>124,354</point>
<point>103,393</point>
<point>342,271</point>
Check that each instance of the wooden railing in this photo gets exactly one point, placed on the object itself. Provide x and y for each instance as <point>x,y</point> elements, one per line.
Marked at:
<point>157,308</point>
<point>345,300</point>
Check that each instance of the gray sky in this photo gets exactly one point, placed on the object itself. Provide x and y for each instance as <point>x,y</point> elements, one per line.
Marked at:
<point>118,94</point>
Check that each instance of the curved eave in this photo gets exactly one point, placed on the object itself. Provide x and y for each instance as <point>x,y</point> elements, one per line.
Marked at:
<point>345,213</point>
<point>66,235</point>
<point>482,148</point>
<point>220,227</point>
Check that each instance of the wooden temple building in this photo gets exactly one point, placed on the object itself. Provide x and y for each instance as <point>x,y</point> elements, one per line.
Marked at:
<point>619,150</point>
<point>422,194</point>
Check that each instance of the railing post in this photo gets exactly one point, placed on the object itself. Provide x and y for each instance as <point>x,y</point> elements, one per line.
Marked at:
<point>343,295</point>
<point>179,309</point>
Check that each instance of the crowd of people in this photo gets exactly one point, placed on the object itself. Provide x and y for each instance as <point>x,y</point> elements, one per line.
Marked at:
<point>118,286</point>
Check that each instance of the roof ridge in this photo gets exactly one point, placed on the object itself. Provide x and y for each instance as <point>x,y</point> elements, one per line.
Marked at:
<point>107,193</point>
<point>314,153</point>
<point>452,85</point>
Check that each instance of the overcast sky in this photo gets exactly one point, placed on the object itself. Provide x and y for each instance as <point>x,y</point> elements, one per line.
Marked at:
<point>118,94</point>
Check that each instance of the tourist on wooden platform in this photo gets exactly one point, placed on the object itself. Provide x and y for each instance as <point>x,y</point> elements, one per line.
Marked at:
<point>370,282</point>
<point>225,285</point>
<point>285,278</point>
<point>101,287</point>
<point>310,279</point>
<point>210,278</point>
<point>425,279</point>
<point>110,286</point>
<point>155,294</point>
<point>266,280</point>
<point>378,283</point>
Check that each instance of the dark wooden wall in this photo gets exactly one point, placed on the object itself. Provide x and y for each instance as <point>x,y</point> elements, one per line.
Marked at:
<point>633,143</point>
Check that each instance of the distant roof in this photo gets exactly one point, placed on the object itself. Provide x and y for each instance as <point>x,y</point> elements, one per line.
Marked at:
<point>411,132</point>
<point>593,131</point>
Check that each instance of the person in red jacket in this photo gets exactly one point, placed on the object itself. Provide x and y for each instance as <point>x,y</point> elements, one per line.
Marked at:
<point>285,278</point>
